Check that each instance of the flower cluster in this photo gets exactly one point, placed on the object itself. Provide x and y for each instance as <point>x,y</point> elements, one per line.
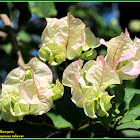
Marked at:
<point>28,90</point>
<point>67,38</point>
<point>88,85</point>
<point>124,56</point>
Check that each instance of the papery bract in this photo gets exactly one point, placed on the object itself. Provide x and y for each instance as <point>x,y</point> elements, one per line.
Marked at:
<point>68,31</point>
<point>90,43</point>
<point>91,40</point>
<point>9,93</point>
<point>96,102</point>
<point>70,37</point>
<point>133,65</point>
<point>71,74</point>
<point>119,49</point>
<point>58,90</point>
<point>123,56</point>
<point>74,77</point>
<point>78,95</point>
<point>130,69</point>
<point>88,85</point>
<point>28,90</point>
<point>54,53</point>
<point>101,75</point>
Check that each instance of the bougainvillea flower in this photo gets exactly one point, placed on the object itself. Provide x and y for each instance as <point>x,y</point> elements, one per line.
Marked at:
<point>54,53</point>
<point>69,37</point>
<point>124,56</point>
<point>96,102</point>
<point>95,76</point>
<point>91,42</point>
<point>120,48</point>
<point>28,90</point>
<point>101,74</point>
<point>130,69</point>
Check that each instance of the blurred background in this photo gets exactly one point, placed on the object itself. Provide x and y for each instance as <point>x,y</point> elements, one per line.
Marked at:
<point>106,20</point>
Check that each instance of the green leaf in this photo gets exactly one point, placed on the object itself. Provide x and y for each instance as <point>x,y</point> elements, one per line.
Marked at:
<point>129,129</point>
<point>43,9</point>
<point>135,121</point>
<point>22,35</point>
<point>131,133</point>
<point>119,93</point>
<point>7,48</point>
<point>129,94</point>
<point>129,125</point>
<point>132,114</point>
<point>135,102</point>
<point>58,120</point>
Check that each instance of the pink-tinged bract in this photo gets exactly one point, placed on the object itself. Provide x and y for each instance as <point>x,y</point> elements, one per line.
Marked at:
<point>28,90</point>
<point>67,38</point>
<point>88,85</point>
<point>119,49</point>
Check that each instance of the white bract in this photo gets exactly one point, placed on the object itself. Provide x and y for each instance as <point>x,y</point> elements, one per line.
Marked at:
<point>124,56</point>
<point>67,38</point>
<point>28,90</point>
<point>88,85</point>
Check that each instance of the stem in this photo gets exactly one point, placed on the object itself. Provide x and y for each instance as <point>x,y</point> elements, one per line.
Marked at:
<point>83,127</point>
<point>60,68</point>
<point>125,122</point>
<point>6,20</point>
<point>66,64</point>
<point>58,128</point>
<point>32,123</point>
<point>89,123</point>
<point>12,36</point>
<point>48,125</point>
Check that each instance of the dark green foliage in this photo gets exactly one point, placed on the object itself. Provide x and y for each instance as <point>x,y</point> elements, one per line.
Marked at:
<point>43,9</point>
